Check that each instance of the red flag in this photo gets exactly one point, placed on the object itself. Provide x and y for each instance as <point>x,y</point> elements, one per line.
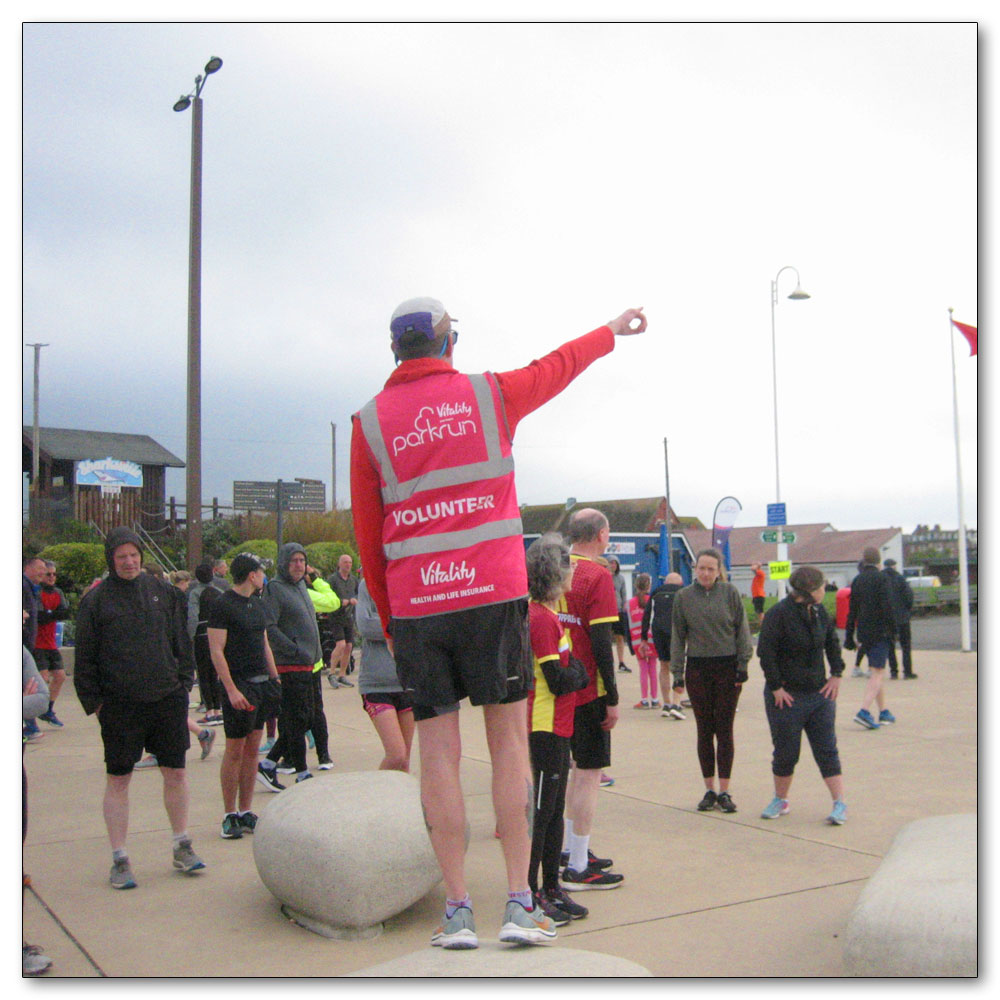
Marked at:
<point>970,334</point>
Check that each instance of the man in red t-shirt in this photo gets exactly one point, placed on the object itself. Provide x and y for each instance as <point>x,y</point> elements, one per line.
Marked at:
<point>475,648</point>
<point>589,609</point>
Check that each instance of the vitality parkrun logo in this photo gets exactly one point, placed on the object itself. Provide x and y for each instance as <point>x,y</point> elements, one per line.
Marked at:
<point>435,423</point>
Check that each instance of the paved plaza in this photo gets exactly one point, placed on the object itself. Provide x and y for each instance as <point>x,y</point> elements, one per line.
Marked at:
<point>705,894</point>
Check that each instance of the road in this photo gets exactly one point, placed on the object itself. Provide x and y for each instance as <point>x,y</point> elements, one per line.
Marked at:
<point>942,632</point>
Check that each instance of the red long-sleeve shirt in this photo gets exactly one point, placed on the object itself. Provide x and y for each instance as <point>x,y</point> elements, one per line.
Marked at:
<point>523,390</point>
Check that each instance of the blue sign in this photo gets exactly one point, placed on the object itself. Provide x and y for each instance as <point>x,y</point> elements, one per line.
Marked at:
<point>776,515</point>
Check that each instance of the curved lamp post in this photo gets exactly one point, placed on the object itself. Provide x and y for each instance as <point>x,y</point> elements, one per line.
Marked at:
<point>795,296</point>
<point>193,498</point>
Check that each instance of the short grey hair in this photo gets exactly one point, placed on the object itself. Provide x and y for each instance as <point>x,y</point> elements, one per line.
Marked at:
<point>548,561</point>
<point>585,526</point>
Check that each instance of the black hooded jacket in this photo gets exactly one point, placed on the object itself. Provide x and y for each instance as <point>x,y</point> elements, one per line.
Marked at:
<point>132,643</point>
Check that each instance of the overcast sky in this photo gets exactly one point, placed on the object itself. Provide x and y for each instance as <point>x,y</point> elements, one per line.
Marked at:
<point>538,179</point>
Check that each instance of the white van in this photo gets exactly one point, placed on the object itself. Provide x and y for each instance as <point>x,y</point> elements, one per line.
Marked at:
<point>923,581</point>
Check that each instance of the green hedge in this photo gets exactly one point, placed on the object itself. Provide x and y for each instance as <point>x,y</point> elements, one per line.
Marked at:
<point>77,563</point>
<point>265,548</point>
<point>325,555</point>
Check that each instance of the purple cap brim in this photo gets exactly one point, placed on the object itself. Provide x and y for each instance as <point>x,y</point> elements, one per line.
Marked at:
<point>422,322</point>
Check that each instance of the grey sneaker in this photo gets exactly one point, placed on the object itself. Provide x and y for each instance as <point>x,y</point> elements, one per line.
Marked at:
<point>121,875</point>
<point>344,682</point>
<point>248,822</point>
<point>206,738</point>
<point>456,931</point>
<point>521,926</point>
<point>149,761</point>
<point>185,860</point>
<point>33,962</point>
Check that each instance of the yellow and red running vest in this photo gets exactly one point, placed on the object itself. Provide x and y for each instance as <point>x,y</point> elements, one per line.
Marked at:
<point>451,530</point>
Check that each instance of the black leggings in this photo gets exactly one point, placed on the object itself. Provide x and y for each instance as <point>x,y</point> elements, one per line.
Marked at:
<point>550,765</point>
<point>208,679</point>
<point>711,686</point>
<point>321,734</point>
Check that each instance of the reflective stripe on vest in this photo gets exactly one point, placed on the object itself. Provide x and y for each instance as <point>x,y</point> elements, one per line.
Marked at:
<point>429,514</point>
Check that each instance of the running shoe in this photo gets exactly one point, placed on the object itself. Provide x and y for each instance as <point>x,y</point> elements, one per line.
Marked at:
<point>838,816</point>
<point>265,747</point>
<point>606,780</point>
<point>775,808</point>
<point>708,802</point>
<point>206,738</point>
<point>50,718</point>
<point>725,803</point>
<point>344,682</point>
<point>521,926</point>
<point>149,761</point>
<point>857,672</point>
<point>248,822</point>
<point>676,713</point>
<point>33,962</point>
<point>567,905</point>
<point>655,703</point>
<point>590,878</point>
<point>593,861</point>
<point>268,777</point>
<point>457,931</point>
<point>310,739</point>
<point>665,714</point>
<point>30,731</point>
<point>886,718</point>
<point>285,768</point>
<point>622,669</point>
<point>304,776</point>
<point>332,679</point>
<point>552,910</point>
<point>325,764</point>
<point>214,720</point>
<point>121,875</point>
<point>185,860</point>
<point>231,827</point>
<point>642,704</point>
<point>866,719</point>
<point>685,702</point>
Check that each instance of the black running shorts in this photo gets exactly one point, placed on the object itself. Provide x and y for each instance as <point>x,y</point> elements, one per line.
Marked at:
<point>48,659</point>
<point>590,743</point>
<point>265,696</point>
<point>158,726</point>
<point>483,654</point>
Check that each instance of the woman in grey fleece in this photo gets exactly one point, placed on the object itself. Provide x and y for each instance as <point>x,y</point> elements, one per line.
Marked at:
<point>382,695</point>
<point>711,637</point>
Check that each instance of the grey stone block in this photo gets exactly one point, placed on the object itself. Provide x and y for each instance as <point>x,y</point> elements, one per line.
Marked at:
<point>917,914</point>
<point>494,960</point>
<point>343,853</point>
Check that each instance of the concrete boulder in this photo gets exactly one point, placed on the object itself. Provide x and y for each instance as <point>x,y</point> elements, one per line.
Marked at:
<point>917,914</point>
<point>346,852</point>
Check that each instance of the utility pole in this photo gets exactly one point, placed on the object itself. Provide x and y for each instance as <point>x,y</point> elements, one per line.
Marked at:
<point>34,429</point>
<point>333,466</point>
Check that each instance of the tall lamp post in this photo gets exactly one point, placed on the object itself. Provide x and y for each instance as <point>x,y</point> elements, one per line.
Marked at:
<point>795,296</point>
<point>193,501</point>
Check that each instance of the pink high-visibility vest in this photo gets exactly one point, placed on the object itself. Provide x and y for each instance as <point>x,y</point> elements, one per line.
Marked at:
<point>635,613</point>
<point>451,531</point>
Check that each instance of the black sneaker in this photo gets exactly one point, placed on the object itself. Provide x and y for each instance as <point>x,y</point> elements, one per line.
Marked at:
<point>231,828</point>
<point>725,803</point>
<point>248,822</point>
<point>590,878</point>
<point>567,905</point>
<point>593,861</point>
<point>555,913</point>
<point>622,669</point>
<point>708,802</point>
<point>268,777</point>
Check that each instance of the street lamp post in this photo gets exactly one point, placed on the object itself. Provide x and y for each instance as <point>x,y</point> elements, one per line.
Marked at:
<point>193,500</point>
<point>795,296</point>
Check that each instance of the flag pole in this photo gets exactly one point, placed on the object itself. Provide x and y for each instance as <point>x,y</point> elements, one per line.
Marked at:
<point>963,559</point>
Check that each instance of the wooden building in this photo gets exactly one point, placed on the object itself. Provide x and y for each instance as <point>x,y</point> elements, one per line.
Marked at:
<point>96,476</point>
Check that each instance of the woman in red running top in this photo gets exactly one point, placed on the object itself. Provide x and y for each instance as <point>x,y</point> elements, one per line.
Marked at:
<point>551,708</point>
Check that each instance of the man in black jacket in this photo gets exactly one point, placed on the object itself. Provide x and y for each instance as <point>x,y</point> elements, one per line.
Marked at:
<point>134,669</point>
<point>870,613</point>
<point>901,599</point>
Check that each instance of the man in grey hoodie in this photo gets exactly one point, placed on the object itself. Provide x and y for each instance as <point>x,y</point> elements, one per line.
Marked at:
<point>293,634</point>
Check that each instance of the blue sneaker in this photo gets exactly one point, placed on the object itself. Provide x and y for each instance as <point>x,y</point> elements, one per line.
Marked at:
<point>886,718</point>
<point>51,719</point>
<point>457,931</point>
<point>838,816</point>
<point>521,926</point>
<point>265,747</point>
<point>775,808</point>
<point>866,719</point>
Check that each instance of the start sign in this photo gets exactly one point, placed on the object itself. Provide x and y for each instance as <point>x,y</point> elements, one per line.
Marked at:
<point>779,570</point>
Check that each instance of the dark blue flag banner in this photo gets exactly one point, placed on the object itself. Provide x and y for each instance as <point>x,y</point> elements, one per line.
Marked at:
<point>727,510</point>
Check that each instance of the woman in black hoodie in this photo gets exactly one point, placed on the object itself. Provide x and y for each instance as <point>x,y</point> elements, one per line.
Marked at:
<point>798,696</point>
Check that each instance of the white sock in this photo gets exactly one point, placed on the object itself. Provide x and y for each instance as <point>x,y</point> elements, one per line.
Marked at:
<point>178,837</point>
<point>567,833</point>
<point>578,852</point>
